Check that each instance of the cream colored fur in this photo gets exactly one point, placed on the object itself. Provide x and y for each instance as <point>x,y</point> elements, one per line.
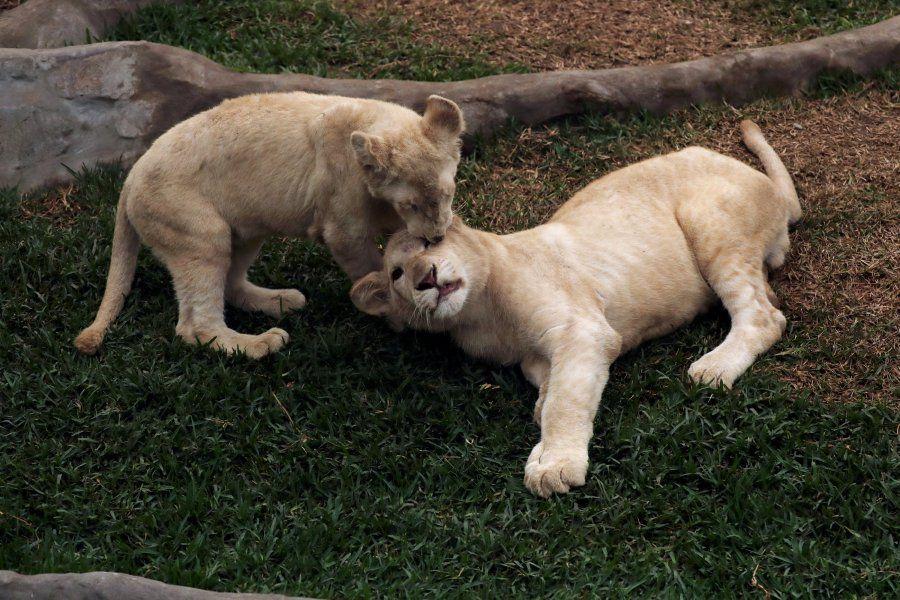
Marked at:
<point>633,256</point>
<point>211,189</point>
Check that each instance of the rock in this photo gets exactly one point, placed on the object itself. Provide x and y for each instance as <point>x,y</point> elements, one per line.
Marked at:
<point>108,586</point>
<point>55,23</point>
<point>64,108</point>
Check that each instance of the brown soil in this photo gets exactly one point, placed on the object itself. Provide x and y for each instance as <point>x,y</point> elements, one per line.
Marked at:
<point>578,34</point>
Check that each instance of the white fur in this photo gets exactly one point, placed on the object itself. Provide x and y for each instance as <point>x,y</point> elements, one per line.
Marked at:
<point>210,190</point>
<point>632,256</point>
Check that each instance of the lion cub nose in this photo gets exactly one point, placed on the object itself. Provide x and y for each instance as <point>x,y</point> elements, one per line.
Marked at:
<point>429,281</point>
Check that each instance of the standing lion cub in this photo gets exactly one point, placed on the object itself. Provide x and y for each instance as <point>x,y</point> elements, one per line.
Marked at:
<point>633,256</point>
<point>211,189</point>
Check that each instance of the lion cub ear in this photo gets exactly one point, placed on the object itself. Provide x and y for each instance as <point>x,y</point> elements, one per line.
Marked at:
<point>443,118</point>
<point>371,150</point>
<point>371,295</point>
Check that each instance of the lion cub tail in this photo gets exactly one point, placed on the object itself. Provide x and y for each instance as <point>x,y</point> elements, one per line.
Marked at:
<point>775,169</point>
<point>123,261</point>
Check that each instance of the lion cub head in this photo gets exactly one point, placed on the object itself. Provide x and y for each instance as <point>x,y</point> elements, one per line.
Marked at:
<point>414,167</point>
<point>423,285</point>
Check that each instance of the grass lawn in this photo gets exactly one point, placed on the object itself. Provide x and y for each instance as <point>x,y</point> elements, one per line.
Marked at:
<point>359,462</point>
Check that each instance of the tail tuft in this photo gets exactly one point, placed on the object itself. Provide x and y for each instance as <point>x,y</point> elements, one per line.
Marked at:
<point>775,169</point>
<point>88,341</point>
<point>749,128</point>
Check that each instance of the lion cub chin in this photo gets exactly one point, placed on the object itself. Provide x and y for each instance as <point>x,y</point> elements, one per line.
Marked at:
<point>210,190</point>
<point>633,256</point>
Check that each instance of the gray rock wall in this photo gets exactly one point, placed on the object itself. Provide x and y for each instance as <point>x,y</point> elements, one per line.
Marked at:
<point>55,23</point>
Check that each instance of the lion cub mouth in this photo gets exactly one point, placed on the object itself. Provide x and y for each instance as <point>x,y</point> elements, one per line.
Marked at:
<point>448,288</point>
<point>443,289</point>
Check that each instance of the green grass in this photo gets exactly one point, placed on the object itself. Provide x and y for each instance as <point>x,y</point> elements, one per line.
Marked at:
<point>826,16</point>
<point>303,36</point>
<point>359,462</point>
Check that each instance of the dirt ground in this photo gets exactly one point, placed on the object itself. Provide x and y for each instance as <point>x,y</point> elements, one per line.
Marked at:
<point>579,34</point>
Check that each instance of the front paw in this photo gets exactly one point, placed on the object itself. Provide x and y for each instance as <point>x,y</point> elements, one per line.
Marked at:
<point>716,368</point>
<point>555,471</point>
<point>284,302</point>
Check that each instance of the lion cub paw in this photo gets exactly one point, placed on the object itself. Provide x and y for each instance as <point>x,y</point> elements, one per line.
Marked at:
<point>269,342</point>
<point>713,369</point>
<point>254,346</point>
<point>283,302</point>
<point>555,471</point>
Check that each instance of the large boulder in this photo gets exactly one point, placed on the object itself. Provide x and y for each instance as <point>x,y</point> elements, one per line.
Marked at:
<point>55,23</point>
<point>61,109</point>
<point>107,586</point>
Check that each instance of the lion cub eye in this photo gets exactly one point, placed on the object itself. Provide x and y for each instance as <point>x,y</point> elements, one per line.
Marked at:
<point>396,273</point>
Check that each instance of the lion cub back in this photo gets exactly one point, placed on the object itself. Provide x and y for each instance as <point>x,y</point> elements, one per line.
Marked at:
<point>263,161</point>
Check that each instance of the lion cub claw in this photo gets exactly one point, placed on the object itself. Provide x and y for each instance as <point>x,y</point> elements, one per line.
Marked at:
<point>269,342</point>
<point>292,300</point>
<point>555,471</point>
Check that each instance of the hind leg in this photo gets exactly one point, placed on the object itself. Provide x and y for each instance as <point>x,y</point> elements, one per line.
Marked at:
<point>778,250</point>
<point>200,287</point>
<point>755,323</point>
<point>199,266</point>
<point>241,293</point>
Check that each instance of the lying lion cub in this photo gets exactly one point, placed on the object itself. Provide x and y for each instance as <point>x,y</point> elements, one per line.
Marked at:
<point>211,189</point>
<point>633,256</point>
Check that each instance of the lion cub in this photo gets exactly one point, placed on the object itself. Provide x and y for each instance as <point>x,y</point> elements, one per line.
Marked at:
<point>211,189</point>
<point>633,256</point>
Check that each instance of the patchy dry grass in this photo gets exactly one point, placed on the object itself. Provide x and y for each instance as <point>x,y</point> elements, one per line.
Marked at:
<point>303,36</point>
<point>789,20</point>
<point>840,288</point>
<point>59,205</point>
<point>843,282</point>
<point>548,34</point>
